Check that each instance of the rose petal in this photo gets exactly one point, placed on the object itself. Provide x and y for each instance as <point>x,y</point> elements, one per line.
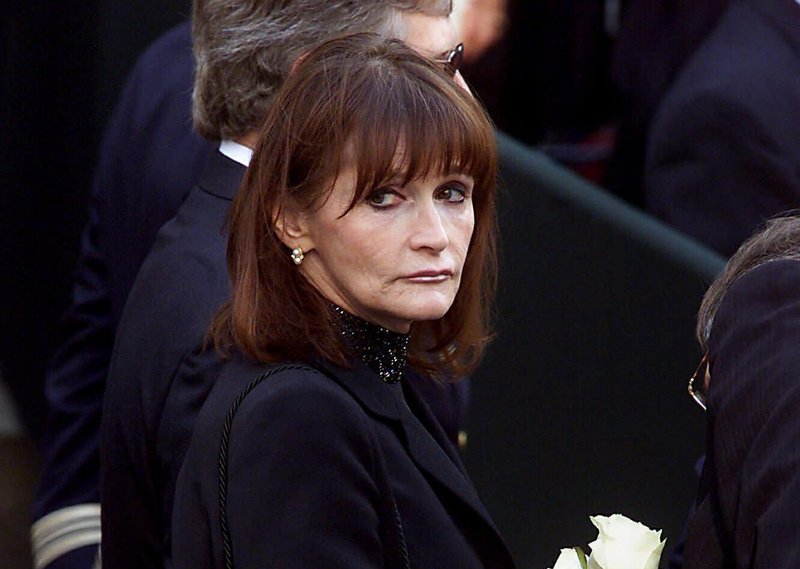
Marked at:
<point>624,544</point>
<point>568,560</point>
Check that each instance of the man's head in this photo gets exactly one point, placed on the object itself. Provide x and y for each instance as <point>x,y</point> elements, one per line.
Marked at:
<point>245,48</point>
<point>779,239</point>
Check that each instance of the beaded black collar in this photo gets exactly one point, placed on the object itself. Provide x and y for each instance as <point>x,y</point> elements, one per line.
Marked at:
<point>382,350</point>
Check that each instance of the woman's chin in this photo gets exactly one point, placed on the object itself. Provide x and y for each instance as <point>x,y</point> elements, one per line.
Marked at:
<point>428,309</point>
<point>399,313</point>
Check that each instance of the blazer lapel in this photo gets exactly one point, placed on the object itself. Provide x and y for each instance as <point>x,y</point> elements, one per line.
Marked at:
<point>423,412</point>
<point>365,386</point>
<point>425,441</point>
<point>432,452</point>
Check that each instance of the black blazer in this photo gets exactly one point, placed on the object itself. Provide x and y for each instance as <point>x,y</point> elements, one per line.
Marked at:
<point>159,376</point>
<point>724,149</point>
<point>751,481</point>
<point>316,461</point>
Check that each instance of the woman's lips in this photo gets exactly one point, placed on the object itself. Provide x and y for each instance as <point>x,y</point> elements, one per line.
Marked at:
<point>430,276</point>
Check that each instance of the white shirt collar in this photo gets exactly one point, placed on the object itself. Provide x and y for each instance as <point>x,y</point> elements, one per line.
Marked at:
<point>235,151</point>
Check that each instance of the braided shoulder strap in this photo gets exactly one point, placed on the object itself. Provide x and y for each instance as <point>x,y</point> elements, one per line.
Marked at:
<point>401,537</point>
<point>222,464</point>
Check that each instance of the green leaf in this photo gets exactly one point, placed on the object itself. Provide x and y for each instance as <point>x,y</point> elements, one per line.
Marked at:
<point>581,557</point>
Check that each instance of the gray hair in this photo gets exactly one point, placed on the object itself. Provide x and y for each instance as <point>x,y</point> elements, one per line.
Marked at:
<point>244,49</point>
<point>778,240</point>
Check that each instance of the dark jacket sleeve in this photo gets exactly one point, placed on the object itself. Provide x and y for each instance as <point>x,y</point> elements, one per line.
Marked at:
<point>67,498</point>
<point>74,387</point>
<point>754,419</point>
<point>714,170</point>
<point>302,490</point>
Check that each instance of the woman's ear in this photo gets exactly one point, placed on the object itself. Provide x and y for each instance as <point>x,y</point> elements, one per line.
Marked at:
<point>292,229</point>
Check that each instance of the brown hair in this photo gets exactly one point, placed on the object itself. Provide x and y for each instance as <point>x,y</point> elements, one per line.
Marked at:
<point>244,49</point>
<point>365,97</point>
<point>779,239</point>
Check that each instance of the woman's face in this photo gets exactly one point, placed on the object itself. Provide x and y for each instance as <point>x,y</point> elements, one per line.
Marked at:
<point>397,256</point>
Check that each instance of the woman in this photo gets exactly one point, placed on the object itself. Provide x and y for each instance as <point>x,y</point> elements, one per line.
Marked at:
<point>361,244</point>
<point>748,509</point>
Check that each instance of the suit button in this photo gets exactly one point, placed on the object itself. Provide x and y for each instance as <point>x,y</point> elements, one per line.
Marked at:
<point>462,440</point>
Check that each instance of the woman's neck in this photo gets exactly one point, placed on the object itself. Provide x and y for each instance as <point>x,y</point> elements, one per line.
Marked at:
<point>382,350</point>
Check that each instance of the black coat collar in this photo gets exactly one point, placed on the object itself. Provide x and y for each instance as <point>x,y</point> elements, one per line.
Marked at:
<point>366,387</point>
<point>424,439</point>
<point>221,176</point>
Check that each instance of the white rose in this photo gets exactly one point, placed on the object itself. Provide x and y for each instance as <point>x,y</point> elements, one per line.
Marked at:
<point>568,560</point>
<point>624,544</point>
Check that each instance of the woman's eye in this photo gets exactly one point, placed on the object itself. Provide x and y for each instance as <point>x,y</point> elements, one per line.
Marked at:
<point>383,198</point>
<point>453,193</point>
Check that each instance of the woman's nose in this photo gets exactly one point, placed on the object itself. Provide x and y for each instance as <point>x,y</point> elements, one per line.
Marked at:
<point>429,231</point>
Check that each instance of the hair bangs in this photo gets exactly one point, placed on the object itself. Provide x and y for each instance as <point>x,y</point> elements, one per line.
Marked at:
<point>412,131</point>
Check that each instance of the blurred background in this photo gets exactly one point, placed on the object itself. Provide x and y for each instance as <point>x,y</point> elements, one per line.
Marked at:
<point>62,67</point>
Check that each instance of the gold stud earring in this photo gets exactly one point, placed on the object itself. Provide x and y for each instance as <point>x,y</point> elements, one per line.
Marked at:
<point>297,255</point>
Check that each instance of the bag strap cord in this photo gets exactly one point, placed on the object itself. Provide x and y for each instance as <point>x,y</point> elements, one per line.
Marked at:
<point>222,464</point>
<point>227,547</point>
<point>401,536</point>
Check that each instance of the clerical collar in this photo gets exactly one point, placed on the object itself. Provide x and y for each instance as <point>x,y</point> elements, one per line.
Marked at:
<point>382,350</point>
<point>235,151</point>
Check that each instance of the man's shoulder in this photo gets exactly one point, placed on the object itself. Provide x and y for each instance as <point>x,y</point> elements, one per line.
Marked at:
<point>183,279</point>
<point>760,310</point>
<point>741,62</point>
<point>180,274</point>
<point>170,52</point>
<point>180,285</point>
<point>186,264</point>
<point>195,233</point>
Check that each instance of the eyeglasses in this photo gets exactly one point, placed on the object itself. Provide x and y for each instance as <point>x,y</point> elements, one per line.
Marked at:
<point>453,60</point>
<point>697,382</point>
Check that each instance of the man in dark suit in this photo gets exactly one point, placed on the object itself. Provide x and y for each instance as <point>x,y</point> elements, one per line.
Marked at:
<point>150,158</point>
<point>724,150</point>
<point>747,514</point>
<point>160,372</point>
<point>655,39</point>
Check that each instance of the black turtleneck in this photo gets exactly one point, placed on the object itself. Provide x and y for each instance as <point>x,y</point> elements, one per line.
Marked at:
<point>380,349</point>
